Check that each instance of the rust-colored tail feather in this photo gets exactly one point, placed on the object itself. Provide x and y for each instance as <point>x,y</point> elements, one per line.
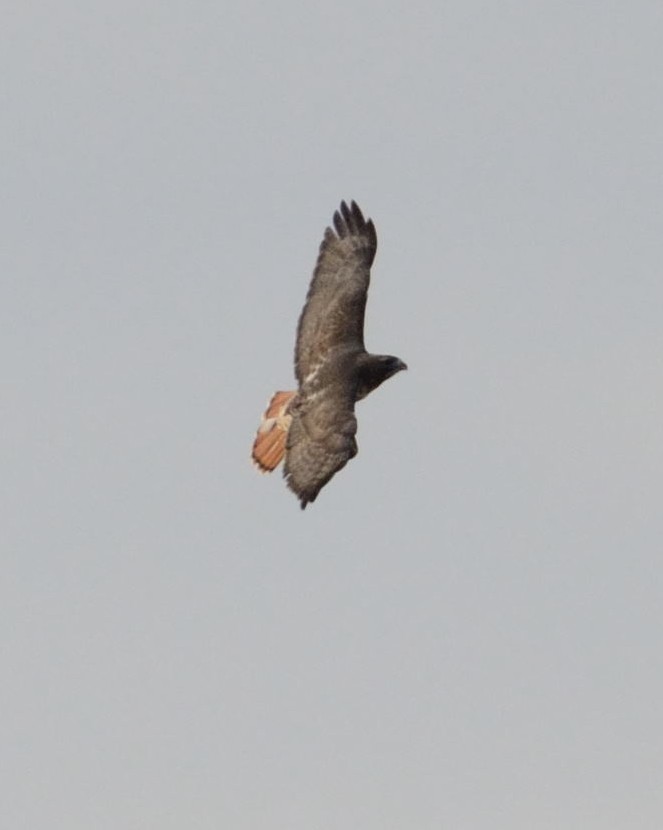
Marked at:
<point>269,445</point>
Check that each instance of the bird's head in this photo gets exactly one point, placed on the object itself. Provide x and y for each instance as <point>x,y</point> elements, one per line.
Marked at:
<point>392,365</point>
<point>374,369</point>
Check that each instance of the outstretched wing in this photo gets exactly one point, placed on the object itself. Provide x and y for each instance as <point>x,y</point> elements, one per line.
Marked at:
<point>321,440</point>
<point>333,315</point>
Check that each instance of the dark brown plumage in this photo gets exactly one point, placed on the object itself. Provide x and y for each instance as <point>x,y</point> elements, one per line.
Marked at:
<point>315,427</point>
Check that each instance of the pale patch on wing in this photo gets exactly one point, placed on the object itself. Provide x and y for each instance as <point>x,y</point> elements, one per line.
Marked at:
<point>312,375</point>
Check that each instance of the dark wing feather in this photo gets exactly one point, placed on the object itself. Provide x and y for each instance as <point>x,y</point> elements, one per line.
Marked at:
<point>333,315</point>
<point>321,440</point>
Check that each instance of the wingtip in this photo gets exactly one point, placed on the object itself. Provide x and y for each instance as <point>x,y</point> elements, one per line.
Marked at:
<point>352,219</point>
<point>304,501</point>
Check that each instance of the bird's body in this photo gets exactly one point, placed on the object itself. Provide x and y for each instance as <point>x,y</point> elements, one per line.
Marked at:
<point>315,427</point>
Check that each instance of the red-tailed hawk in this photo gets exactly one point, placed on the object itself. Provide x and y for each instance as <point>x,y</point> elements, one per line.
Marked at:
<point>315,426</point>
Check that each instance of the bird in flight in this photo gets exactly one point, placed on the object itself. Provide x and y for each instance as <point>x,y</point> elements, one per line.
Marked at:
<point>314,427</point>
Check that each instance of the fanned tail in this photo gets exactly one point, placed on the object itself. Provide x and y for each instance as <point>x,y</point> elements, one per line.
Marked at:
<point>269,445</point>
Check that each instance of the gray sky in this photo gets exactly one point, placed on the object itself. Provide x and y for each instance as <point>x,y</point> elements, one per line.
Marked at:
<point>464,631</point>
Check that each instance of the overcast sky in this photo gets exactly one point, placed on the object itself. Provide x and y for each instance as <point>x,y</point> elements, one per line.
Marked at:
<point>464,631</point>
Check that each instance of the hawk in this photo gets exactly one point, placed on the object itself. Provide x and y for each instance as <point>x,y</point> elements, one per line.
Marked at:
<point>314,427</point>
